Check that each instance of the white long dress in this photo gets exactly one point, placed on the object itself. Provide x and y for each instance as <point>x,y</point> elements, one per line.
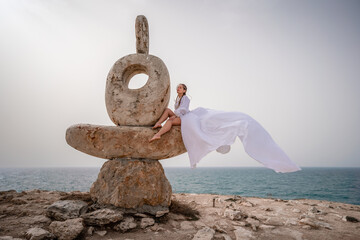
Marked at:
<point>205,130</point>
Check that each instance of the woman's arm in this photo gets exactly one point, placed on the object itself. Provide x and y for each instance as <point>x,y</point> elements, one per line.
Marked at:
<point>184,106</point>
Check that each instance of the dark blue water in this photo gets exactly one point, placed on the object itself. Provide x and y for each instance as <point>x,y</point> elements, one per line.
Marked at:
<point>332,184</point>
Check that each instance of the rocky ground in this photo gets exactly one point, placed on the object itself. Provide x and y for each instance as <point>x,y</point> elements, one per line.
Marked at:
<point>40,214</point>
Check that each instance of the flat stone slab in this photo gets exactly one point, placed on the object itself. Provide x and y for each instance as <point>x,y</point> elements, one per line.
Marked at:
<point>112,142</point>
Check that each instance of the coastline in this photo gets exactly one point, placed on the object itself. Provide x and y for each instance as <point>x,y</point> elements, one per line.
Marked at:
<point>332,184</point>
<point>191,216</point>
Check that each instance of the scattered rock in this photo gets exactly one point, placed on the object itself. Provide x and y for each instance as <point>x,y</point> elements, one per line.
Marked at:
<point>267,209</point>
<point>295,210</point>
<point>141,215</point>
<point>289,233</point>
<point>253,223</point>
<point>266,227</point>
<point>314,210</point>
<point>9,238</point>
<point>127,224</point>
<point>18,201</point>
<point>174,224</point>
<point>154,227</point>
<point>161,213</point>
<point>101,233</point>
<point>233,214</point>
<point>337,215</point>
<point>39,219</point>
<point>218,229</point>
<point>247,204</point>
<point>350,219</point>
<point>183,211</point>
<point>314,223</point>
<point>204,234</point>
<point>223,223</point>
<point>226,237</point>
<point>90,230</point>
<point>77,195</point>
<point>186,225</point>
<point>234,199</point>
<point>306,227</point>
<point>243,234</point>
<point>275,221</point>
<point>291,221</point>
<point>145,222</point>
<point>153,210</point>
<point>16,219</point>
<point>66,209</point>
<point>37,233</point>
<point>238,223</point>
<point>102,217</point>
<point>67,230</point>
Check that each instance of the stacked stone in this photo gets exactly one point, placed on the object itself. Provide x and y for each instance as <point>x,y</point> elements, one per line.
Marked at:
<point>133,178</point>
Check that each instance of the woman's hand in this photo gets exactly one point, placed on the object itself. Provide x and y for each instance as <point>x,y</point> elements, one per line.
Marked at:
<point>172,117</point>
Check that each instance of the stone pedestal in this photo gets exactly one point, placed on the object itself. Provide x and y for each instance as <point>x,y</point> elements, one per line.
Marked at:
<point>133,184</point>
<point>133,179</point>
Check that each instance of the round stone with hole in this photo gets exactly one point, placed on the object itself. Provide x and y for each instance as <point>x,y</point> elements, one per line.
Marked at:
<point>142,106</point>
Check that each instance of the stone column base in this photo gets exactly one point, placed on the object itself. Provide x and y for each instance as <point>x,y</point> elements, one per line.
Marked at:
<point>137,185</point>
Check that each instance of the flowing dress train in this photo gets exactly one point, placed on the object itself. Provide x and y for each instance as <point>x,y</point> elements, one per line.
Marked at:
<point>205,130</point>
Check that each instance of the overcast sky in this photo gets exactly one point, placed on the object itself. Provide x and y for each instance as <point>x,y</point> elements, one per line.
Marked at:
<point>294,66</point>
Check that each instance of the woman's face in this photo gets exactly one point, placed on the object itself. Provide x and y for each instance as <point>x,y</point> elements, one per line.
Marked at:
<point>180,89</point>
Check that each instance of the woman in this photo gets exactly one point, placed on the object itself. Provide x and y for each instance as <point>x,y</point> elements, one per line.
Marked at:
<point>204,130</point>
<point>181,108</point>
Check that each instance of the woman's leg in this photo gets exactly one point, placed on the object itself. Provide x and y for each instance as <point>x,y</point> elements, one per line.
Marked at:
<point>167,126</point>
<point>167,113</point>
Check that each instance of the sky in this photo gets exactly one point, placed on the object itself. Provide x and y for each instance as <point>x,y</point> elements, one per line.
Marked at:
<point>294,66</point>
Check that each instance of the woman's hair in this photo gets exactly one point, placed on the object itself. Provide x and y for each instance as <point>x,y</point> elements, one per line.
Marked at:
<point>185,88</point>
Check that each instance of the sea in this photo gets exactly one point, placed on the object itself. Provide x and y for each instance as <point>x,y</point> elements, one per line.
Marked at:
<point>332,184</point>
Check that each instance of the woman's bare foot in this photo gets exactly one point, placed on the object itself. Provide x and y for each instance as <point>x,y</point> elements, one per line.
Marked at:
<point>157,125</point>
<point>155,137</point>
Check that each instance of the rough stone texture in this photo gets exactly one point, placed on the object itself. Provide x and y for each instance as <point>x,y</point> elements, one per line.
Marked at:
<point>253,223</point>
<point>314,223</point>
<point>186,225</point>
<point>145,222</point>
<point>204,234</point>
<point>9,238</point>
<point>37,233</point>
<point>67,230</point>
<point>142,34</point>
<point>132,184</point>
<point>157,211</point>
<point>90,230</point>
<point>63,210</point>
<point>275,221</point>
<point>14,218</point>
<point>102,217</point>
<point>243,234</point>
<point>101,233</point>
<point>232,214</point>
<point>127,224</point>
<point>111,142</point>
<point>38,220</point>
<point>137,107</point>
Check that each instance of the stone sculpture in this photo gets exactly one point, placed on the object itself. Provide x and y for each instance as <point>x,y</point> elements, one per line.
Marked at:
<point>132,179</point>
